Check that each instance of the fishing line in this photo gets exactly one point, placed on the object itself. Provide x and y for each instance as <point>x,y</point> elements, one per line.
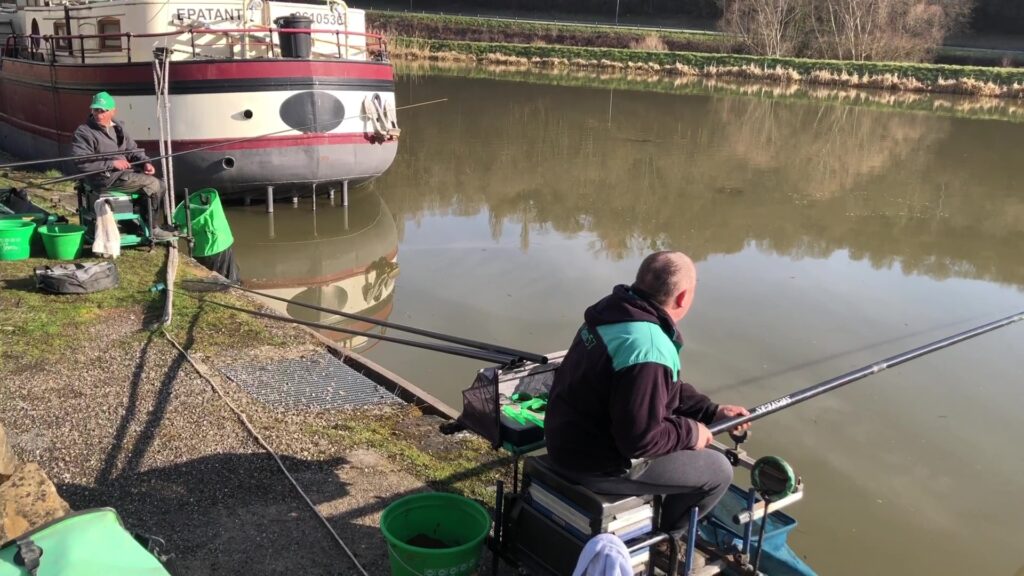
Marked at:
<point>804,394</point>
<point>43,184</point>
<point>476,354</point>
<point>238,141</point>
<point>259,440</point>
<point>66,158</point>
<point>529,356</point>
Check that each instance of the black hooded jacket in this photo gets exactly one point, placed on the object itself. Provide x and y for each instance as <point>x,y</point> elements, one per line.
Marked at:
<point>617,395</point>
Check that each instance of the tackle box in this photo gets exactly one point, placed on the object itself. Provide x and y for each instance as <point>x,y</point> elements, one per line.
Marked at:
<point>554,518</point>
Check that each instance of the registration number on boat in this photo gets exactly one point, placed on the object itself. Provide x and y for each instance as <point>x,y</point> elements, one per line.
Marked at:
<point>323,18</point>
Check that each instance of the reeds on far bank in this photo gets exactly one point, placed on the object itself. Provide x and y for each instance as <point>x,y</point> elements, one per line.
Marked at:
<point>686,79</point>
<point>943,80</point>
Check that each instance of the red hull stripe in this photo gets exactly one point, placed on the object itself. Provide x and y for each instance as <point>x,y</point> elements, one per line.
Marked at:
<point>85,91</point>
<point>183,145</point>
<point>28,100</point>
<point>195,71</point>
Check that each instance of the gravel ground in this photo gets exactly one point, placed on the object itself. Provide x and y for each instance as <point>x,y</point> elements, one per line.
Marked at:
<point>128,423</point>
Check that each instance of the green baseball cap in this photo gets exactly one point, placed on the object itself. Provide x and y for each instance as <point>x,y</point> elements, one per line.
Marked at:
<point>103,100</point>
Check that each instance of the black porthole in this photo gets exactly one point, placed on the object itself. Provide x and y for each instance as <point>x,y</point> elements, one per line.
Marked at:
<point>312,111</point>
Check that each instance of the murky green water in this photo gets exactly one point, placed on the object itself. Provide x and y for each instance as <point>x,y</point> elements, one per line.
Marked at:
<point>826,237</point>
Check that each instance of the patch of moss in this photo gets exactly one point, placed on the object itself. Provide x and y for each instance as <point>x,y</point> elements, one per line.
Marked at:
<point>39,326</point>
<point>468,466</point>
<point>208,327</point>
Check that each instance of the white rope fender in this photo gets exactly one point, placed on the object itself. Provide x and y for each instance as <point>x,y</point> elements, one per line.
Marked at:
<point>382,116</point>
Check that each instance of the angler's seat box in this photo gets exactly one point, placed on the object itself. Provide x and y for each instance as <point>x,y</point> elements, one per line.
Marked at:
<point>553,519</point>
<point>129,209</point>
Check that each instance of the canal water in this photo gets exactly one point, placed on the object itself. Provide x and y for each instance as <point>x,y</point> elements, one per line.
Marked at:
<point>826,236</point>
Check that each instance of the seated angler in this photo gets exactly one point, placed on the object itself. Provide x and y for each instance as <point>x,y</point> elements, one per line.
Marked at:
<point>619,419</point>
<point>101,133</point>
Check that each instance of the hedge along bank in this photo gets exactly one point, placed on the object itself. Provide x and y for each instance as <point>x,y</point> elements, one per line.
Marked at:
<point>470,29</point>
<point>968,80</point>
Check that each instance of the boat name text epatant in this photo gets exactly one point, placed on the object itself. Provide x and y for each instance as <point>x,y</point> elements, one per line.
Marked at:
<point>209,14</point>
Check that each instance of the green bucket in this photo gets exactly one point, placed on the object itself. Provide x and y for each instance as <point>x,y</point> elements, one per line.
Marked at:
<point>62,241</point>
<point>40,219</point>
<point>209,223</point>
<point>16,239</point>
<point>433,520</point>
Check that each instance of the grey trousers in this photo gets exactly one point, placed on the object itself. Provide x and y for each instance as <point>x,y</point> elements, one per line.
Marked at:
<point>685,479</point>
<point>151,186</point>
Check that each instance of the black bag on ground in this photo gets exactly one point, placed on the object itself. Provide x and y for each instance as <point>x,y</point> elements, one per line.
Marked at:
<point>77,278</point>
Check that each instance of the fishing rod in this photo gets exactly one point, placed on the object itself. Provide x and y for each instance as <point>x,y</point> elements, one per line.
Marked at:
<point>66,158</point>
<point>529,356</point>
<point>805,394</point>
<point>485,355</point>
<point>238,141</point>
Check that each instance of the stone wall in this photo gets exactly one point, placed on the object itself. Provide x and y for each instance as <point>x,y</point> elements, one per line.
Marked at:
<point>28,499</point>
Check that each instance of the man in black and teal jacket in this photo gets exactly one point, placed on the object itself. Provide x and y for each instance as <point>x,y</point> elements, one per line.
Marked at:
<point>619,419</point>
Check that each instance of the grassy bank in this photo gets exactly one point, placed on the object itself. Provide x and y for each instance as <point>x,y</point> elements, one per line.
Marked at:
<point>567,47</point>
<point>39,327</point>
<point>460,28</point>
<point>973,81</point>
<point>407,438</point>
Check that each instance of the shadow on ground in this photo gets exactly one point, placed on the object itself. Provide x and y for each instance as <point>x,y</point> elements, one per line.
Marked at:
<point>235,514</point>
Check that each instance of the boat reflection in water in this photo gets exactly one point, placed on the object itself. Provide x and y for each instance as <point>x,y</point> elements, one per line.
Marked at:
<point>339,257</point>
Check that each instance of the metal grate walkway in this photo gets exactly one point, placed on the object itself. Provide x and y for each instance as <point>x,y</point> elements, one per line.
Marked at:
<point>319,382</point>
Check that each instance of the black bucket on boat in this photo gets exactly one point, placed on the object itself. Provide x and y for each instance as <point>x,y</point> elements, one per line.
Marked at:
<point>295,44</point>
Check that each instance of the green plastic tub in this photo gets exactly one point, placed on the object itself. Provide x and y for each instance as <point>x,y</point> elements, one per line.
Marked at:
<point>446,532</point>
<point>209,223</point>
<point>41,220</point>
<point>62,241</point>
<point>16,239</point>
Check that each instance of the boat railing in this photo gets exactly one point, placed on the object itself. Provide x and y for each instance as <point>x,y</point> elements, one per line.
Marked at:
<point>256,42</point>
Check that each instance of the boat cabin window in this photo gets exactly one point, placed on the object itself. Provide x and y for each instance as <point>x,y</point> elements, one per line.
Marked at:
<point>109,26</point>
<point>61,29</point>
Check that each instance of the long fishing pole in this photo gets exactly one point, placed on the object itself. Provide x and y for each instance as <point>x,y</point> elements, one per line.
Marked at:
<point>239,141</point>
<point>805,394</point>
<point>66,158</point>
<point>529,356</point>
<point>485,355</point>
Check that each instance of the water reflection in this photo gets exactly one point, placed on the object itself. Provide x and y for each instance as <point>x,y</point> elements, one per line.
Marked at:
<point>828,236</point>
<point>918,192</point>
<point>344,258</point>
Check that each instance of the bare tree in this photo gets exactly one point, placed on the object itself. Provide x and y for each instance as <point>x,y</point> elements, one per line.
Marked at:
<point>767,27</point>
<point>903,30</point>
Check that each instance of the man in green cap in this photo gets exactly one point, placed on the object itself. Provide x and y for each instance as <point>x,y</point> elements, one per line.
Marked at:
<point>101,134</point>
